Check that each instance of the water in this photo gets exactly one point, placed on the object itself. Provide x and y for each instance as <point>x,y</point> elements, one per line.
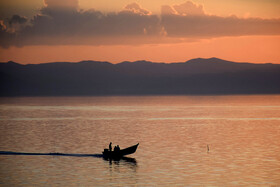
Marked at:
<point>242,132</point>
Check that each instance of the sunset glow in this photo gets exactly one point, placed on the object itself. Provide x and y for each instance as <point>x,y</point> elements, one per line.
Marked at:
<point>159,31</point>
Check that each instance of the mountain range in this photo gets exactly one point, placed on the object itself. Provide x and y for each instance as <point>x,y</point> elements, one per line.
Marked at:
<point>197,76</point>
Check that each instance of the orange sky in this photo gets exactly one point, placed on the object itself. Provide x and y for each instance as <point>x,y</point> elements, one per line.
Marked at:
<point>176,43</point>
<point>254,8</point>
<point>256,49</point>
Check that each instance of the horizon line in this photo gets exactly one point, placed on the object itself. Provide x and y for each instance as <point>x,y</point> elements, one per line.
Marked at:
<point>127,61</point>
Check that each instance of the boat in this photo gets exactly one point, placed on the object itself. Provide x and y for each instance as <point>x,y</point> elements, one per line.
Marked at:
<point>120,153</point>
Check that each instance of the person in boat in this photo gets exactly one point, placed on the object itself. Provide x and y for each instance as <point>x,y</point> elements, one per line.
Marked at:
<point>117,148</point>
<point>110,146</point>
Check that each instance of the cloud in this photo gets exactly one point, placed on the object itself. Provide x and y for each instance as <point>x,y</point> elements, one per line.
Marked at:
<point>190,20</point>
<point>94,23</point>
<point>185,9</point>
<point>16,19</point>
<point>67,26</point>
<point>56,25</point>
<point>64,4</point>
<point>2,26</point>
<point>167,10</point>
<point>189,8</point>
<point>6,38</point>
<point>136,8</point>
<point>207,26</point>
<point>16,23</point>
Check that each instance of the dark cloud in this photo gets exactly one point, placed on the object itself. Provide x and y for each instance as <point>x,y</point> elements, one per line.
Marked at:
<point>6,38</point>
<point>215,26</point>
<point>93,23</point>
<point>62,25</point>
<point>68,26</point>
<point>16,19</point>
<point>16,23</point>
<point>190,20</point>
<point>2,26</point>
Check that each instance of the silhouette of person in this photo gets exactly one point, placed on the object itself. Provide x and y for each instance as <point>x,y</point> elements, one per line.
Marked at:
<point>110,146</point>
<point>117,148</point>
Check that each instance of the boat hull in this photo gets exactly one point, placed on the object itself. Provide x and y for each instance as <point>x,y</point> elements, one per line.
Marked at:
<point>119,154</point>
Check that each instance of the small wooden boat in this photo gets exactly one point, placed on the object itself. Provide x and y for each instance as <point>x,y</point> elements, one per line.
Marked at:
<point>120,153</point>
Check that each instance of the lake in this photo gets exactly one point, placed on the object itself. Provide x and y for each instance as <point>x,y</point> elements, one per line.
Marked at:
<point>174,134</point>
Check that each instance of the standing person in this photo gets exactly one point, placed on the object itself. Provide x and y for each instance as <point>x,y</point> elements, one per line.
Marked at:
<point>110,146</point>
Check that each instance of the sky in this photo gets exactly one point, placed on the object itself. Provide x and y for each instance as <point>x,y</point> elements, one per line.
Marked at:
<point>40,31</point>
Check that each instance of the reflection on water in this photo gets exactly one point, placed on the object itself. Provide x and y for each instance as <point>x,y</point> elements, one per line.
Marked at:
<point>242,133</point>
<point>125,161</point>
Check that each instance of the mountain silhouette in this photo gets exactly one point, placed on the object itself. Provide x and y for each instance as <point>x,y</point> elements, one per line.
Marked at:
<point>196,76</point>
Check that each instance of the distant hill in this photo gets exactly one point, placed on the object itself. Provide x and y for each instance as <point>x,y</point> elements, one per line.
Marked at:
<point>196,76</point>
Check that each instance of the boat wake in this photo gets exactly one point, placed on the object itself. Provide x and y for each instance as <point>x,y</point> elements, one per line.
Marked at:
<point>125,159</point>
<point>50,154</point>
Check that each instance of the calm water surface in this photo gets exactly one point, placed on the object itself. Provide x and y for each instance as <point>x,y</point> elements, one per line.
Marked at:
<point>243,134</point>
